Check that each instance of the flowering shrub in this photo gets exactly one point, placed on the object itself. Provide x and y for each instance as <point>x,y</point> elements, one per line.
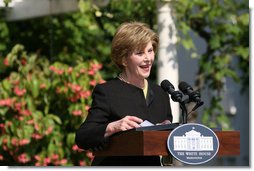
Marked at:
<point>41,107</point>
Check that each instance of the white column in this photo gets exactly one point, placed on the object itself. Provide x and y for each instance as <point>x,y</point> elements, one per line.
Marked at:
<point>167,57</point>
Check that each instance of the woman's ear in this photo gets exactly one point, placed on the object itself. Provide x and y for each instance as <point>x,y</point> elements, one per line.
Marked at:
<point>124,63</point>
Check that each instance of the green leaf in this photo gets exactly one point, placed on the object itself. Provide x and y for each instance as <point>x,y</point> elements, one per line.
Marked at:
<point>55,118</point>
<point>3,111</point>
<point>184,28</point>
<point>215,42</point>
<point>244,19</point>
<point>27,131</point>
<point>6,85</point>
<point>224,121</point>
<point>70,139</point>
<point>188,43</point>
<point>30,103</point>
<point>35,87</point>
<point>51,148</point>
<point>19,133</point>
<point>242,51</point>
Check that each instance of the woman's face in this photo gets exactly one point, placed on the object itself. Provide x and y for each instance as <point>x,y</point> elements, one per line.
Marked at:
<point>139,64</point>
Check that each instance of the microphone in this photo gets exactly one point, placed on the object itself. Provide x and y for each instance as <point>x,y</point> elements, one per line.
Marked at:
<point>194,96</point>
<point>200,103</point>
<point>168,87</point>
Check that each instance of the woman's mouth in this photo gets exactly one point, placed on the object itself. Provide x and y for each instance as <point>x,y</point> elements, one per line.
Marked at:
<point>145,67</point>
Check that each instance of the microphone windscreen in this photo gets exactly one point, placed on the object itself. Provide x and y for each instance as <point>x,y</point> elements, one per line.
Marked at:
<point>166,85</point>
<point>183,86</point>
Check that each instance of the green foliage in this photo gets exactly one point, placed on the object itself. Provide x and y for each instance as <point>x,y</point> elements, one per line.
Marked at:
<point>86,33</point>
<point>224,25</point>
<point>45,90</point>
<point>41,107</point>
<point>4,32</point>
<point>6,2</point>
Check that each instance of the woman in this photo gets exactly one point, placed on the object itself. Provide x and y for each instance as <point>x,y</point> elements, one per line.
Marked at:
<point>124,102</point>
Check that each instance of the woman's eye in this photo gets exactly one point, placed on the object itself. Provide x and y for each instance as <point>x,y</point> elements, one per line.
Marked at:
<point>150,50</point>
<point>139,53</point>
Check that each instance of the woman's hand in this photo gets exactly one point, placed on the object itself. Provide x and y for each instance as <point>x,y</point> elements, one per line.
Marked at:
<point>164,122</point>
<point>126,123</point>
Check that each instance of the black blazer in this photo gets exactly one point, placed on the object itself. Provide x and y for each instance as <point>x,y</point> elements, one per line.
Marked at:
<point>114,100</point>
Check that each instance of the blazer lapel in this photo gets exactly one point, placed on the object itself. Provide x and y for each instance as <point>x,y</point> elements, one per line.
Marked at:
<point>150,96</point>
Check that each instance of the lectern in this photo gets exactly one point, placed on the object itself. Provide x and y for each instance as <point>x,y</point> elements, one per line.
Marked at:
<point>150,142</point>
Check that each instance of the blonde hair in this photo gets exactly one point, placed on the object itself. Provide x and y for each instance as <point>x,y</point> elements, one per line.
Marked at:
<point>129,37</point>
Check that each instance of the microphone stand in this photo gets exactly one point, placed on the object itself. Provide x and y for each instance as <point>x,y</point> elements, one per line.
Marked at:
<point>184,112</point>
<point>176,96</point>
<point>184,109</point>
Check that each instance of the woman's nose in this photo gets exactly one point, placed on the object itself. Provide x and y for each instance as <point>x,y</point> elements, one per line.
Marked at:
<point>147,57</point>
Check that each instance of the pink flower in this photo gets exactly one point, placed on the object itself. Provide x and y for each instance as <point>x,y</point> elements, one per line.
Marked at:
<point>77,112</point>
<point>14,141</point>
<point>76,148</point>
<point>70,69</point>
<point>20,118</point>
<point>91,72</point>
<point>23,158</point>
<point>90,155</point>
<point>55,156</point>
<point>19,92</point>
<point>82,70</point>
<point>75,88</point>
<point>2,128</point>
<point>5,148</point>
<point>87,107</point>
<point>25,112</point>
<point>5,141</point>
<point>63,161</point>
<point>24,142</point>
<point>37,164</point>
<point>56,70</point>
<point>37,136</point>
<point>43,86</point>
<point>82,163</point>
<point>19,105</point>
<point>101,81</point>
<point>49,130</point>
<point>52,68</point>
<point>96,66</point>
<point>1,157</point>
<point>30,122</point>
<point>36,126</point>
<point>85,94</point>
<point>6,102</point>
<point>6,62</point>
<point>74,98</point>
<point>60,72</point>
<point>46,161</point>
<point>37,157</point>
<point>92,82</point>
